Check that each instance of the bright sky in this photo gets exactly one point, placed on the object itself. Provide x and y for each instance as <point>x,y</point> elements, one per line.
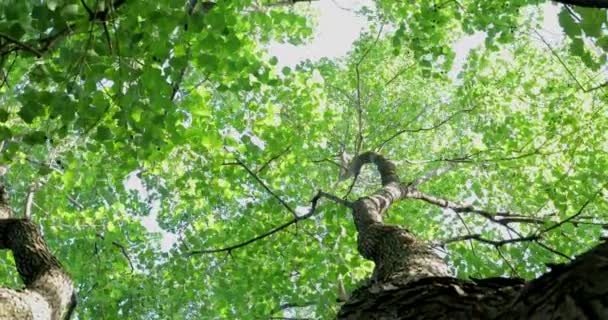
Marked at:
<point>338,26</point>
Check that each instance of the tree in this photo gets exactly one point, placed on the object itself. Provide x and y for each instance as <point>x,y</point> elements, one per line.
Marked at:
<point>121,114</point>
<point>49,292</point>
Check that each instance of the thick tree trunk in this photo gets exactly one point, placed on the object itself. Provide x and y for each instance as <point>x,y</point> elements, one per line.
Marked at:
<point>411,282</point>
<point>49,293</point>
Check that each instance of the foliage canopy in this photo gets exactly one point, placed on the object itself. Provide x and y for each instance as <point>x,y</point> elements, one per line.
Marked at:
<point>114,113</point>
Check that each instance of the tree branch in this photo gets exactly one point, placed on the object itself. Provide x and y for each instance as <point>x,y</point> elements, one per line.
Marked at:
<point>496,243</point>
<point>274,230</point>
<point>585,3</point>
<point>267,163</point>
<point>578,213</point>
<point>22,45</point>
<point>255,176</point>
<point>433,127</point>
<point>359,139</point>
<point>122,249</point>
<point>501,217</point>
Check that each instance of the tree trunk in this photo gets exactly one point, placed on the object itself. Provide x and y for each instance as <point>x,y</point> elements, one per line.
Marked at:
<point>411,282</point>
<point>49,293</point>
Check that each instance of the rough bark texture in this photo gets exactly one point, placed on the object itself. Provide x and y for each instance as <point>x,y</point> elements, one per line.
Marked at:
<point>411,282</point>
<point>49,292</point>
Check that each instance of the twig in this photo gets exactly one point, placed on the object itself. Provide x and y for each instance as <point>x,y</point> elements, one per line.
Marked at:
<point>122,249</point>
<point>337,200</point>
<point>255,176</point>
<point>87,9</point>
<point>586,3</point>
<point>560,60</point>
<point>433,127</point>
<point>596,87</point>
<point>578,213</point>
<point>359,139</point>
<point>272,231</point>
<point>8,70</point>
<point>513,270</point>
<point>398,74</point>
<point>496,243</point>
<point>544,246</point>
<point>22,45</point>
<point>267,163</point>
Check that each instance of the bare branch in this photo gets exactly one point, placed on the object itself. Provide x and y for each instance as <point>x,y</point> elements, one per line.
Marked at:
<point>274,195</point>
<point>597,87</point>
<point>500,217</point>
<point>560,60</point>
<point>359,139</point>
<point>544,246</point>
<point>578,213</point>
<point>398,74</point>
<point>22,45</point>
<point>433,127</point>
<point>122,249</point>
<point>496,243</point>
<point>267,163</point>
<point>585,3</point>
<point>274,230</point>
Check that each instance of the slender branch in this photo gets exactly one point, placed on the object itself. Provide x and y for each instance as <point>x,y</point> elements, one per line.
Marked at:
<point>398,74</point>
<point>605,84</point>
<point>337,200</point>
<point>502,256</point>
<point>274,230</point>
<point>257,178</point>
<point>288,305</point>
<point>544,246</point>
<point>359,139</point>
<point>87,9</point>
<point>433,127</point>
<point>496,243</point>
<point>560,60</point>
<point>75,203</point>
<point>107,34</point>
<point>122,249</point>
<point>503,218</point>
<point>267,163</point>
<point>6,73</point>
<point>578,213</point>
<point>22,45</point>
<point>585,3</point>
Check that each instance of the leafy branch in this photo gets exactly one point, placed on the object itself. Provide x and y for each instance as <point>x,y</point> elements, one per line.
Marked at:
<point>311,212</point>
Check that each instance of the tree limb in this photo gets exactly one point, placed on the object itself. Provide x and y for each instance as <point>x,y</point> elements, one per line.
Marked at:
<point>585,3</point>
<point>274,230</point>
<point>433,127</point>
<point>259,180</point>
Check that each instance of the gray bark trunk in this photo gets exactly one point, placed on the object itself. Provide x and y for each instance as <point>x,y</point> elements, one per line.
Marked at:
<point>411,282</point>
<point>49,293</point>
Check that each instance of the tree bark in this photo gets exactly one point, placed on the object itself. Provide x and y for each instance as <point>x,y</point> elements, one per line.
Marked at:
<point>49,291</point>
<point>411,282</point>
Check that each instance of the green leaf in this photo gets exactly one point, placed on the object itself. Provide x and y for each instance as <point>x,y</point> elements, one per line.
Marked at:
<point>3,115</point>
<point>36,137</point>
